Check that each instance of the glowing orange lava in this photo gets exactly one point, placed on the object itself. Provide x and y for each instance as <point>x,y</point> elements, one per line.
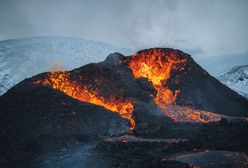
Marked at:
<point>61,81</point>
<point>156,65</point>
<point>187,114</point>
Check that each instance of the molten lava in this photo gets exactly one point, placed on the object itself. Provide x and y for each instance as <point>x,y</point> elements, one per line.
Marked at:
<point>156,65</point>
<point>61,81</point>
<point>187,114</point>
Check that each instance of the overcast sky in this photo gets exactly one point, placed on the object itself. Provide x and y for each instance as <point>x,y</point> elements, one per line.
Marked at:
<point>211,27</point>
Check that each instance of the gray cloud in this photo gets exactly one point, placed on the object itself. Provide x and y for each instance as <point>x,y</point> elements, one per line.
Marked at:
<point>211,26</point>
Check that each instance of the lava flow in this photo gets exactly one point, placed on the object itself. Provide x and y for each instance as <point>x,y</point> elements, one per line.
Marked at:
<point>61,81</point>
<point>156,65</point>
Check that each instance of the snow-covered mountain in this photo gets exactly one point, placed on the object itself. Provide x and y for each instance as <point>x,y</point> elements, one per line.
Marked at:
<point>236,79</point>
<point>23,58</point>
<point>217,64</point>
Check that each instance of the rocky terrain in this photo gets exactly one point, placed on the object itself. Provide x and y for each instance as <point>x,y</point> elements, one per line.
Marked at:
<point>123,112</point>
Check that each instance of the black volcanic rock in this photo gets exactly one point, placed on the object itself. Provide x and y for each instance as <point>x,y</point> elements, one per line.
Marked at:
<point>37,120</point>
<point>43,110</point>
<point>33,114</point>
<point>203,91</point>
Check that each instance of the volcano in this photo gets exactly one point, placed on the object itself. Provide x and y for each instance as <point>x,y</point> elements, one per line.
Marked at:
<point>121,112</point>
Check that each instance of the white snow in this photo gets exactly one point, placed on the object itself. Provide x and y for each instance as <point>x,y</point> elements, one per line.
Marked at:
<point>23,58</point>
<point>236,79</point>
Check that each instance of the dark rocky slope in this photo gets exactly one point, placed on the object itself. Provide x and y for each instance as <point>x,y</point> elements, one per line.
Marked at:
<point>43,127</point>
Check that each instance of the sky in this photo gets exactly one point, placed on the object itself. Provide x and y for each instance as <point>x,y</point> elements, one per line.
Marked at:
<point>208,27</point>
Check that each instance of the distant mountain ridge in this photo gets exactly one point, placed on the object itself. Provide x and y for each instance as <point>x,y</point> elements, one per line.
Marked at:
<point>236,79</point>
<point>23,58</point>
<point>218,64</point>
